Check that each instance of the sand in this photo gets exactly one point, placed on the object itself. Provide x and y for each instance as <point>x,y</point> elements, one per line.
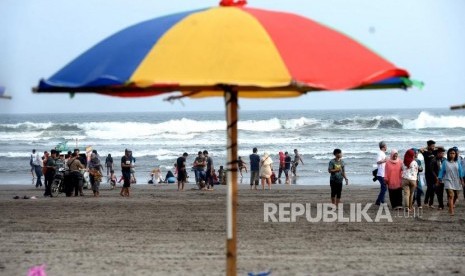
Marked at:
<point>159,231</point>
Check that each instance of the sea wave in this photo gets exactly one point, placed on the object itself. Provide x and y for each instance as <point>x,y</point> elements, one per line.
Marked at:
<point>182,129</point>
<point>426,120</point>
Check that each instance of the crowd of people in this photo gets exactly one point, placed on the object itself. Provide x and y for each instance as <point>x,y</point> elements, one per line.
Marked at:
<point>406,180</point>
<point>260,168</point>
<point>77,166</point>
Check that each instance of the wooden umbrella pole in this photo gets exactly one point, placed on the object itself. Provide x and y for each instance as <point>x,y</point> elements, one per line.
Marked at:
<point>230,97</point>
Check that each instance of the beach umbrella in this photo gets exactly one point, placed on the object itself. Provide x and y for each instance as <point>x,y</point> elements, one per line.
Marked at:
<point>2,93</point>
<point>230,51</point>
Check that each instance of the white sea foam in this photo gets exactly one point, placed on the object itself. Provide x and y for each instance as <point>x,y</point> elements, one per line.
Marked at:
<point>16,154</point>
<point>426,120</point>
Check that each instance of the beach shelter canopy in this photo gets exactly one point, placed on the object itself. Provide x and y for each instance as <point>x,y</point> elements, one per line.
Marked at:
<point>455,107</point>
<point>231,51</point>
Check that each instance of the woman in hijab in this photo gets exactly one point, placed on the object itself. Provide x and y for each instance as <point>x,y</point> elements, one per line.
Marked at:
<point>409,177</point>
<point>265,170</point>
<point>393,179</point>
<point>95,173</point>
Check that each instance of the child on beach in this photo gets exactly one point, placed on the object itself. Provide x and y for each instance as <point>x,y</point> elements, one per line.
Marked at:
<point>242,165</point>
<point>155,175</point>
<point>336,168</point>
<point>222,175</point>
<point>273,177</point>
<point>215,178</point>
<point>112,180</point>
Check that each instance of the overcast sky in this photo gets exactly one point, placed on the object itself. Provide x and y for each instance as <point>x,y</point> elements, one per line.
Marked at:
<point>426,37</point>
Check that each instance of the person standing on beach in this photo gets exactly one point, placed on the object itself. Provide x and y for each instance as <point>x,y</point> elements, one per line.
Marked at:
<point>336,168</point>
<point>37,163</point>
<point>209,171</point>
<point>428,155</point>
<point>254,168</point>
<point>266,170</point>
<point>436,164</point>
<point>44,162</point>
<point>95,173</point>
<point>82,157</point>
<point>297,159</point>
<point>420,181</point>
<point>462,163</point>
<point>451,174</point>
<point>31,159</point>
<point>109,164</point>
<point>381,162</point>
<point>75,166</point>
<point>126,165</point>
<point>409,177</point>
<point>393,179</point>
<point>242,165</point>
<point>199,168</point>
<point>281,164</point>
<point>222,176</point>
<point>133,171</point>
<point>50,166</point>
<point>182,173</point>
<point>287,166</point>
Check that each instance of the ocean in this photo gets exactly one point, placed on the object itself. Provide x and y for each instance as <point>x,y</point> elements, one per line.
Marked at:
<point>157,139</point>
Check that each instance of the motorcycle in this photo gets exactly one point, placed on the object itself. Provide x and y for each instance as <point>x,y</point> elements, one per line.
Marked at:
<point>58,184</point>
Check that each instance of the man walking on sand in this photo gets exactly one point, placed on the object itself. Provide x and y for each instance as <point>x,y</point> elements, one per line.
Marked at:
<point>297,159</point>
<point>182,173</point>
<point>381,162</point>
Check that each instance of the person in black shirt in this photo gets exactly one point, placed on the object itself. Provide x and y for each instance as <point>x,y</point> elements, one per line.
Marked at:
<point>436,164</point>
<point>50,172</point>
<point>287,166</point>
<point>109,164</point>
<point>254,169</point>
<point>428,155</point>
<point>210,169</point>
<point>182,173</point>
<point>126,165</point>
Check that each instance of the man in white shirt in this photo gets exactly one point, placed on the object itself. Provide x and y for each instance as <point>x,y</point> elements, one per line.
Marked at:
<point>37,163</point>
<point>381,162</point>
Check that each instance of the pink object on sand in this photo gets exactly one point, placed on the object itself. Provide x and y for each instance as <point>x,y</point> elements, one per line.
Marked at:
<point>37,271</point>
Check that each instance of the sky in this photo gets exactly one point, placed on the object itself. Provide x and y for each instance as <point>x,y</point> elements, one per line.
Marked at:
<point>39,37</point>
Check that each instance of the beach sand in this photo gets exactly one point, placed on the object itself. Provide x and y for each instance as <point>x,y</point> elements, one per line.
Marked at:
<point>159,231</point>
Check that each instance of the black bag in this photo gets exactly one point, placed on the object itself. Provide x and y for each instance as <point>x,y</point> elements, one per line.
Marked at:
<point>374,173</point>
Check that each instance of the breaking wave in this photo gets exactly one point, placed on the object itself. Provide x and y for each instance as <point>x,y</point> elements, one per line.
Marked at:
<point>182,129</point>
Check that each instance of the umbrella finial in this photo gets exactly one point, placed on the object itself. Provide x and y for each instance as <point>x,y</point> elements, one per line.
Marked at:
<point>229,3</point>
